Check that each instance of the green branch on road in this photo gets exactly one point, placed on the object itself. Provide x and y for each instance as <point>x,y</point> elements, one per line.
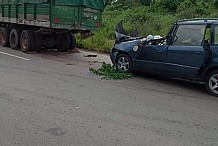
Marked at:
<point>108,72</point>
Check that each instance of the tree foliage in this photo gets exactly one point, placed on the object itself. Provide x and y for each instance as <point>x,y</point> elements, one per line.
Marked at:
<point>148,16</point>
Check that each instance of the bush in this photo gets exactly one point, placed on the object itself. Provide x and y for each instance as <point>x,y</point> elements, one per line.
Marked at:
<point>154,19</point>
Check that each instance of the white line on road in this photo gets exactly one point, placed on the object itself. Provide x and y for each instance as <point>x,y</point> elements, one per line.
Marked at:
<point>14,56</point>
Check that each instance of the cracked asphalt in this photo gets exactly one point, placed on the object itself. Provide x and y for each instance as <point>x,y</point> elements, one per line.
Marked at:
<point>51,99</point>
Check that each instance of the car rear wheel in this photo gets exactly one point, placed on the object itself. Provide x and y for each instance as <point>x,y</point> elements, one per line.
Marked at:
<point>124,63</point>
<point>212,83</point>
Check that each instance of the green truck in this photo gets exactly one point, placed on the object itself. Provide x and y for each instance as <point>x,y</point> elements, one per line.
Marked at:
<point>35,24</point>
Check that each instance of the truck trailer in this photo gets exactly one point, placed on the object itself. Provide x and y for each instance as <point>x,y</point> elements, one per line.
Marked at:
<point>35,24</point>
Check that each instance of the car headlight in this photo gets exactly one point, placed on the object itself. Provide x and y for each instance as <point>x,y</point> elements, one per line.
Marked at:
<point>135,48</point>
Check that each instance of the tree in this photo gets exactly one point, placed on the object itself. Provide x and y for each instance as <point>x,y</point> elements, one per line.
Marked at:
<point>216,4</point>
<point>146,2</point>
<point>169,5</point>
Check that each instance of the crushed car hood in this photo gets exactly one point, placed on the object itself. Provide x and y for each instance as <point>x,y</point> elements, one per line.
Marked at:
<point>122,36</point>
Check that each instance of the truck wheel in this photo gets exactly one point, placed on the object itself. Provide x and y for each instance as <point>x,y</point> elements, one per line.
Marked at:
<point>27,41</point>
<point>15,39</point>
<point>212,83</point>
<point>5,37</point>
<point>72,41</point>
<point>64,42</point>
<point>49,42</point>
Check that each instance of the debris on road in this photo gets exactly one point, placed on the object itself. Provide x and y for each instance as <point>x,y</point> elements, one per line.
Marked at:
<point>90,55</point>
<point>108,72</point>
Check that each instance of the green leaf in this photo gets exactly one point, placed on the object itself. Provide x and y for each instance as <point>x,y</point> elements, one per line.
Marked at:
<point>108,72</point>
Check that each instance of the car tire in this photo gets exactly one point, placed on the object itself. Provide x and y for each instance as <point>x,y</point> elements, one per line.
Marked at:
<point>124,63</point>
<point>72,41</point>
<point>64,42</point>
<point>27,41</point>
<point>211,83</point>
<point>15,38</point>
<point>5,37</point>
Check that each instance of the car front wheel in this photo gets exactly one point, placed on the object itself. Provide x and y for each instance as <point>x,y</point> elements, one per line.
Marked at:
<point>212,83</point>
<point>124,63</point>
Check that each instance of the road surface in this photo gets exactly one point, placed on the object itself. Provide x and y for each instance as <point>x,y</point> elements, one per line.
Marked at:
<point>51,99</point>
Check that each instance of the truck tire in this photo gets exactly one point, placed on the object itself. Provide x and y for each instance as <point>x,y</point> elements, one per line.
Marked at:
<point>64,42</point>
<point>72,41</point>
<point>5,37</point>
<point>211,83</point>
<point>27,41</point>
<point>49,42</point>
<point>15,38</point>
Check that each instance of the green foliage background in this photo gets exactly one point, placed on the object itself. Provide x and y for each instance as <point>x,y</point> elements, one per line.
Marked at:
<point>148,17</point>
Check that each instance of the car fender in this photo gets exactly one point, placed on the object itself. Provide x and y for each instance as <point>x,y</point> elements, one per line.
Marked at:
<point>208,70</point>
<point>127,45</point>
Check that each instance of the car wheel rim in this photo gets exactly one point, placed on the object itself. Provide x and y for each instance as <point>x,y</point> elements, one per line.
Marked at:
<point>123,64</point>
<point>213,83</point>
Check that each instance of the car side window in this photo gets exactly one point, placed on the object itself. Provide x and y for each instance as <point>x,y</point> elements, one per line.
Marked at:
<point>216,36</point>
<point>189,35</point>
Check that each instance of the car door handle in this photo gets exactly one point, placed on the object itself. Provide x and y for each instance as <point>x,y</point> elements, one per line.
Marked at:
<point>197,53</point>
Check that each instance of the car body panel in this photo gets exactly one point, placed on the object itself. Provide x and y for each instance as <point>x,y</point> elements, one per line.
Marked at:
<point>213,62</point>
<point>184,60</point>
<point>126,47</point>
<point>190,61</point>
<point>151,59</point>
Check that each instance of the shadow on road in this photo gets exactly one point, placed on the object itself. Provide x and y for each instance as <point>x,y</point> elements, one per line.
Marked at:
<point>189,85</point>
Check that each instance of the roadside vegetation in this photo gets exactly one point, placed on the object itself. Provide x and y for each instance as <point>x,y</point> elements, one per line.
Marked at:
<point>146,17</point>
<point>108,72</point>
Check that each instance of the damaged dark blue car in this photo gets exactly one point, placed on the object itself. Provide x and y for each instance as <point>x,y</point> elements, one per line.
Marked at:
<point>189,51</point>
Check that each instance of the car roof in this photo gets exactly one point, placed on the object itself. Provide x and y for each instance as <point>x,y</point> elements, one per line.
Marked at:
<point>198,21</point>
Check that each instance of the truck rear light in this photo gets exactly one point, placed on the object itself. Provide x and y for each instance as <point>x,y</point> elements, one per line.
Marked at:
<point>56,20</point>
<point>98,23</point>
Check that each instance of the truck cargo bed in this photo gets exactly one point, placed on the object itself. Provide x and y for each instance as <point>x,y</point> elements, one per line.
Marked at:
<point>57,14</point>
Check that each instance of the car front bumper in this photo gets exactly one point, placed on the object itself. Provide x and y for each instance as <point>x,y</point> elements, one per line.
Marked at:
<point>113,55</point>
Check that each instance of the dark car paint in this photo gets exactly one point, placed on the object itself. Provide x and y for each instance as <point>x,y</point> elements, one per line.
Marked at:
<point>188,62</point>
<point>125,47</point>
<point>151,59</point>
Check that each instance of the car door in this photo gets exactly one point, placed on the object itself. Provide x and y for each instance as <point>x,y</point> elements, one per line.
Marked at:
<point>185,56</point>
<point>151,59</point>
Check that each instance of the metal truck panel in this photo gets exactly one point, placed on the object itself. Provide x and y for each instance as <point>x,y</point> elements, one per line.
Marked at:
<point>60,14</point>
<point>22,1</point>
<point>95,4</point>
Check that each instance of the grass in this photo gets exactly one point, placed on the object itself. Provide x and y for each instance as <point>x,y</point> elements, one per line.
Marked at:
<point>109,72</point>
<point>155,19</point>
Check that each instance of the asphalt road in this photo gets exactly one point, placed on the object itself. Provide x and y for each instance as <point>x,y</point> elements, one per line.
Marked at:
<point>51,99</point>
